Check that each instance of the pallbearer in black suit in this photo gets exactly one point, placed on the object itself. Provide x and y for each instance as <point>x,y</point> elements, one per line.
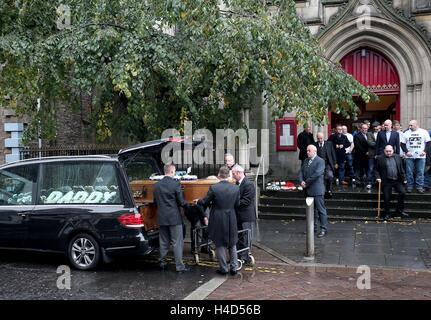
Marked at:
<point>168,197</point>
<point>223,197</point>
<point>311,177</point>
<point>246,211</point>
<point>326,151</point>
<point>389,170</point>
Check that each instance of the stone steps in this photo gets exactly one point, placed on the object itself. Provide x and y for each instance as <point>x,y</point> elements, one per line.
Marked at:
<point>344,205</point>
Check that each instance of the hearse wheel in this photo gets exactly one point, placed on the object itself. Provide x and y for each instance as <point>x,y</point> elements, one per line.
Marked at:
<point>83,252</point>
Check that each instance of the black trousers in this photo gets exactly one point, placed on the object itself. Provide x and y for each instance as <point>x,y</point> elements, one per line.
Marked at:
<point>387,187</point>
<point>361,166</point>
<point>329,177</point>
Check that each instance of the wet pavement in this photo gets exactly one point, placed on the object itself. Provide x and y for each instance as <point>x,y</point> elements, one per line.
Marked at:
<point>33,276</point>
<point>327,283</point>
<point>394,244</point>
<point>280,271</point>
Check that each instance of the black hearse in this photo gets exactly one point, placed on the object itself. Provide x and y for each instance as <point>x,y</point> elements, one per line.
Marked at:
<point>81,206</point>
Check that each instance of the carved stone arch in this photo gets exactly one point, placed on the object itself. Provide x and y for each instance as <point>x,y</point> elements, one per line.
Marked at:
<point>406,52</point>
<point>400,42</point>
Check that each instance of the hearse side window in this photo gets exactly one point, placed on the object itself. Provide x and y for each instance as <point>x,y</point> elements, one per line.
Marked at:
<point>16,185</point>
<point>79,183</point>
<point>141,168</point>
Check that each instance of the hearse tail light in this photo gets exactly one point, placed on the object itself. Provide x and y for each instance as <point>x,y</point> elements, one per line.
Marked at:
<point>132,219</point>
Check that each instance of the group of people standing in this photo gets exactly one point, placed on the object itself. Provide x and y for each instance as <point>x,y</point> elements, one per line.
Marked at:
<point>231,204</point>
<point>400,160</point>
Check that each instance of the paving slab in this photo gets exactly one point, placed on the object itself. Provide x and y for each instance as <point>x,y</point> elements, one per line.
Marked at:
<point>352,242</point>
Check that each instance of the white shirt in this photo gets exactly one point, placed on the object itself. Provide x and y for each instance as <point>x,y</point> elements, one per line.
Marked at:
<point>415,142</point>
<point>350,138</point>
<point>311,160</point>
<point>388,135</point>
<point>402,140</point>
<point>240,181</point>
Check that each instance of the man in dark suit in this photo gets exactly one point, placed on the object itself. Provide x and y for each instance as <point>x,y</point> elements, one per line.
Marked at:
<point>340,143</point>
<point>371,139</point>
<point>326,151</point>
<point>168,198</point>
<point>390,172</point>
<point>229,162</point>
<point>311,177</point>
<point>361,153</point>
<point>223,197</point>
<point>304,139</point>
<point>387,136</point>
<point>246,211</point>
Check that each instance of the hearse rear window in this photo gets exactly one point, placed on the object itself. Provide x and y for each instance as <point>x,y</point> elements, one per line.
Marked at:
<point>16,185</point>
<point>141,168</point>
<point>79,183</point>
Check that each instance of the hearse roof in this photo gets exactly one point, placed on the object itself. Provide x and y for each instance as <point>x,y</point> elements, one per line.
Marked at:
<point>158,143</point>
<point>61,158</point>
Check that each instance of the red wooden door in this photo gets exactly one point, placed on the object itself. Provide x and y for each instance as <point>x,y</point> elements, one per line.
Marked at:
<point>373,70</point>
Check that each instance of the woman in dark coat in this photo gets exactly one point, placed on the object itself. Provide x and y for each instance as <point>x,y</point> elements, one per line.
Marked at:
<point>223,197</point>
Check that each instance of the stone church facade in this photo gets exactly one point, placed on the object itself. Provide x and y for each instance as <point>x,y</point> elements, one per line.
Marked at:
<point>385,45</point>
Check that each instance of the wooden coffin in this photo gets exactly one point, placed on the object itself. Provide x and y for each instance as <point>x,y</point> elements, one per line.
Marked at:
<point>143,193</point>
<point>195,189</point>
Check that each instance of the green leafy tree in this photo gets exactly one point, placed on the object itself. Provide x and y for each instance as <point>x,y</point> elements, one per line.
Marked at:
<point>143,79</point>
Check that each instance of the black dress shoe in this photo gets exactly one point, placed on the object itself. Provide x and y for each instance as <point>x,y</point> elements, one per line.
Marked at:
<point>404,214</point>
<point>386,216</point>
<point>321,234</point>
<point>221,272</point>
<point>163,266</point>
<point>186,269</point>
<point>233,272</point>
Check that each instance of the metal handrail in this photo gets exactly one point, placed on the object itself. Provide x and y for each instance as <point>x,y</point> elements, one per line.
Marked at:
<point>261,162</point>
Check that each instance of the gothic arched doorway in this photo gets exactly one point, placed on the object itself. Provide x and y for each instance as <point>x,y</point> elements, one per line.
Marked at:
<point>373,70</point>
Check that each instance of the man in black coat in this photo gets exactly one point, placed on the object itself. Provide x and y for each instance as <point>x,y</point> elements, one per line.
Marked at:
<point>223,197</point>
<point>340,143</point>
<point>246,211</point>
<point>389,171</point>
<point>304,139</point>
<point>168,198</point>
<point>387,136</point>
<point>361,153</point>
<point>326,151</point>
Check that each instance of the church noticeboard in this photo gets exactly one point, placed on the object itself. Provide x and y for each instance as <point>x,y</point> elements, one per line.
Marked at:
<point>285,130</point>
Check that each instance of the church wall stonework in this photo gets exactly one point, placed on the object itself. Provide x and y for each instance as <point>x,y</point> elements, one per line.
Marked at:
<point>400,29</point>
